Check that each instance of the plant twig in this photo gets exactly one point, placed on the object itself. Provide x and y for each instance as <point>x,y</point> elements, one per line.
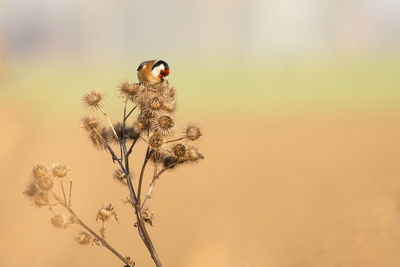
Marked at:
<point>156,176</point>
<point>98,237</point>
<point>146,159</point>
<point>130,112</point>
<point>62,187</point>
<point>174,140</point>
<point>70,193</point>
<point>109,122</point>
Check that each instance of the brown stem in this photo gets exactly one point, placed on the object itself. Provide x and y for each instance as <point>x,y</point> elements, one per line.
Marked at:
<point>70,193</point>
<point>146,159</point>
<point>62,187</point>
<point>174,140</point>
<point>87,228</point>
<point>153,183</point>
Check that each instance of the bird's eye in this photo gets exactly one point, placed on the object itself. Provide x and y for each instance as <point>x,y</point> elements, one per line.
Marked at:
<point>140,67</point>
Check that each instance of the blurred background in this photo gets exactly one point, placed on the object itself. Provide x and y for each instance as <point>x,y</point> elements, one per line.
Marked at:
<point>298,102</point>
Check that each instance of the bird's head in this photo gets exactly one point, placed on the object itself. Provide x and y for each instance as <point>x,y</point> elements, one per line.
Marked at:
<point>160,69</point>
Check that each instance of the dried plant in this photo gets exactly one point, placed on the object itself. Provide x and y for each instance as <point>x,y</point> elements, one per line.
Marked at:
<point>153,124</point>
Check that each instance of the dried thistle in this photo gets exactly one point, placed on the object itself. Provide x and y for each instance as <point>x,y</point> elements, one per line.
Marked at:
<point>93,99</point>
<point>120,177</point>
<point>39,171</point>
<point>41,198</point>
<point>58,221</point>
<point>31,190</point>
<point>84,238</point>
<point>129,90</point>
<point>44,183</point>
<point>179,150</point>
<point>106,212</point>
<point>148,216</point>
<point>192,133</point>
<point>60,170</point>
<point>163,124</point>
<point>154,124</point>
<point>156,141</point>
<point>90,123</point>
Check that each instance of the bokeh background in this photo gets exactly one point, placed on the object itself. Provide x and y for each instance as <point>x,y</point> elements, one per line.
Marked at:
<point>298,101</point>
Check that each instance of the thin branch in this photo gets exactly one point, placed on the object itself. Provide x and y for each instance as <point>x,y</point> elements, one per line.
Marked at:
<point>174,140</point>
<point>70,193</point>
<point>153,183</point>
<point>146,159</point>
<point>109,122</point>
<point>98,237</point>
<point>130,112</point>
<point>62,187</point>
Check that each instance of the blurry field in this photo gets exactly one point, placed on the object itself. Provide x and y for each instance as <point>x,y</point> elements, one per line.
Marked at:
<point>301,167</point>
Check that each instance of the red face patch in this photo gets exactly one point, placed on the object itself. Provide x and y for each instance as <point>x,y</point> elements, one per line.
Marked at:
<point>163,73</point>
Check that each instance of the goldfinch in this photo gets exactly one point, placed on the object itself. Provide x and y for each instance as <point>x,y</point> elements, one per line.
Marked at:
<point>153,72</point>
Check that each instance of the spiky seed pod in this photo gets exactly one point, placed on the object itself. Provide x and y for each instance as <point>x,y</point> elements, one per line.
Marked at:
<point>163,124</point>
<point>39,171</point>
<point>170,162</point>
<point>90,123</point>
<point>139,126</point>
<point>120,176</point>
<point>31,190</point>
<point>41,198</point>
<point>148,216</point>
<point>192,133</point>
<point>93,99</point>
<point>155,104</point>
<point>128,133</point>
<point>101,137</point>
<point>58,221</point>
<point>106,212</point>
<point>156,141</point>
<point>45,183</point>
<point>168,92</point>
<point>60,170</point>
<point>129,90</point>
<point>84,238</point>
<point>179,150</point>
<point>192,154</point>
<point>159,155</point>
<point>170,106</point>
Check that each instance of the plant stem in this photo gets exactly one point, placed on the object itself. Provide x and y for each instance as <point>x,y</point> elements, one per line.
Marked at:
<point>146,159</point>
<point>101,239</point>
<point>109,122</point>
<point>174,140</point>
<point>70,193</point>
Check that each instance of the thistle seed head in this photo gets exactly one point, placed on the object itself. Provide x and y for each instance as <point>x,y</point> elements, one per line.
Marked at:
<point>84,238</point>
<point>45,183</point>
<point>39,171</point>
<point>192,154</point>
<point>170,162</point>
<point>106,212</point>
<point>93,99</point>
<point>120,176</point>
<point>156,141</point>
<point>129,90</point>
<point>192,133</point>
<point>60,170</point>
<point>90,123</point>
<point>41,198</point>
<point>31,190</point>
<point>163,124</point>
<point>148,216</point>
<point>179,150</point>
<point>58,221</point>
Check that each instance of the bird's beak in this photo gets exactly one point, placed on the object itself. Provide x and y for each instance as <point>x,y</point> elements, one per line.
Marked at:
<point>165,72</point>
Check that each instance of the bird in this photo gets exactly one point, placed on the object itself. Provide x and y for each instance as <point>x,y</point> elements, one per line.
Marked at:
<point>153,72</point>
